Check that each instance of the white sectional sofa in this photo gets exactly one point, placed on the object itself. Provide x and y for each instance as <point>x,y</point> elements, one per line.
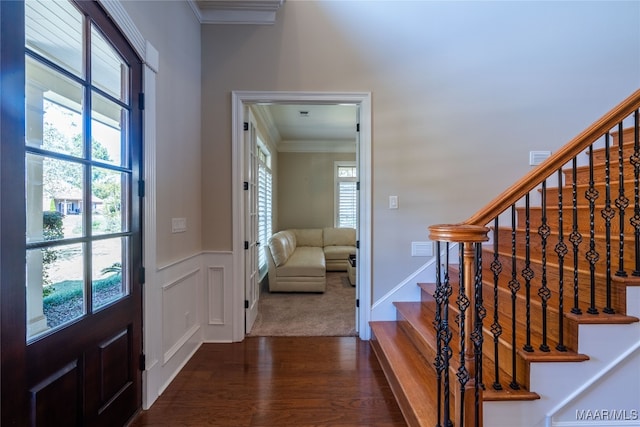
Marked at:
<point>298,259</point>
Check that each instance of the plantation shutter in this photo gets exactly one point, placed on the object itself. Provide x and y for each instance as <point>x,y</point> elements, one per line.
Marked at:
<point>264,213</point>
<point>347,199</point>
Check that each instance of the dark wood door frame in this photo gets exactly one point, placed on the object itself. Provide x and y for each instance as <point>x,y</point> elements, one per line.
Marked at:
<point>12,206</point>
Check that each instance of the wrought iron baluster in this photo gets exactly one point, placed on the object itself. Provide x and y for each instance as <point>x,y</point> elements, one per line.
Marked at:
<point>446,336</point>
<point>463,304</point>
<point>622,202</point>
<point>496,329</point>
<point>592,255</point>
<point>437,323</point>
<point>527,274</point>
<point>635,161</point>
<point>607,213</point>
<point>544,292</point>
<point>477,337</point>
<point>561,251</point>
<point>514,287</point>
<point>575,237</point>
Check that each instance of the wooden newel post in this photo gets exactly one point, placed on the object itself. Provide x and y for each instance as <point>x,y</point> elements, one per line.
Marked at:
<point>468,411</point>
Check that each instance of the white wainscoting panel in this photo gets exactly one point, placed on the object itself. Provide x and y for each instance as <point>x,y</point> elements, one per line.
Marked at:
<point>218,301</point>
<point>216,295</point>
<point>180,312</point>
<point>172,326</point>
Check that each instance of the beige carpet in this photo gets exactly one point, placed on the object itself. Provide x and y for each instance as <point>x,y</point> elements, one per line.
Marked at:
<point>305,314</point>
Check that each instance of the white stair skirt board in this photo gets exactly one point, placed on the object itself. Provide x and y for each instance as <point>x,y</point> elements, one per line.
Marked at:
<point>602,391</point>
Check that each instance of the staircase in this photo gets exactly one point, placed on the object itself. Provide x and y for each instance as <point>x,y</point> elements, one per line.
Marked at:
<point>534,310</point>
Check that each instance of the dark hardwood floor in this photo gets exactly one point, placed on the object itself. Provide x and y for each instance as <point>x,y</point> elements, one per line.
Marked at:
<point>278,381</point>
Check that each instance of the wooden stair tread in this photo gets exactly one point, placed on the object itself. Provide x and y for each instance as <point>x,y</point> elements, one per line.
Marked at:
<point>410,376</point>
<point>536,335</point>
<point>424,332</point>
<point>602,318</point>
<point>508,394</point>
<point>552,356</point>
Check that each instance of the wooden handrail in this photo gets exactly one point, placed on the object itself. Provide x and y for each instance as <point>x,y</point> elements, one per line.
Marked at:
<point>556,161</point>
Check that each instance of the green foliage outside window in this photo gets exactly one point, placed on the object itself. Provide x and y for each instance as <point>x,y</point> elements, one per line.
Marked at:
<point>52,229</point>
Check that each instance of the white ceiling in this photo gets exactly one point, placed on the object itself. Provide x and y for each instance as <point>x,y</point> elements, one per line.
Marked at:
<point>310,128</point>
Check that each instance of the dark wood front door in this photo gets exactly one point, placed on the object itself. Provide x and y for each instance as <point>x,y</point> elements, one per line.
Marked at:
<point>71,248</point>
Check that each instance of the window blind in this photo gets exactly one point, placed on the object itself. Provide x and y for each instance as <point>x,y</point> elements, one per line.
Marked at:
<point>347,204</point>
<point>264,213</point>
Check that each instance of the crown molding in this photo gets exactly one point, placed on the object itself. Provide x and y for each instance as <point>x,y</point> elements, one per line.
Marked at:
<point>257,12</point>
<point>264,115</point>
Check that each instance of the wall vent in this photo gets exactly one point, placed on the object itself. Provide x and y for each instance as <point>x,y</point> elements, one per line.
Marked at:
<point>537,157</point>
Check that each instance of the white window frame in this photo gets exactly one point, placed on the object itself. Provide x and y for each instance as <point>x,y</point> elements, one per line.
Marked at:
<point>337,181</point>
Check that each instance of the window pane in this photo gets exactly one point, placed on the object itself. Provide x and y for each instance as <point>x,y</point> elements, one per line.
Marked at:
<point>108,135</point>
<point>347,172</point>
<point>54,108</point>
<point>109,72</point>
<point>108,261</point>
<point>53,29</point>
<point>109,201</point>
<point>55,199</point>
<point>55,290</point>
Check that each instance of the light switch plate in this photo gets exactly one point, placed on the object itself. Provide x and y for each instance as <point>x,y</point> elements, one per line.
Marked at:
<point>178,225</point>
<point>393,202</point>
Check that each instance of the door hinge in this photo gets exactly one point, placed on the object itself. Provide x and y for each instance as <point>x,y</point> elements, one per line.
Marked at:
<point>141,100</point>
<point>357,244</point>
<point>143,362</point>
<point>358,186</point>
<point>142,275</point>
<point>246,245</point>
<point>141,188</point>
<point>245,186</point>
<point>245,126</point>
<point>246,303</point>
<point>358,127</point>
<point>357,303</point>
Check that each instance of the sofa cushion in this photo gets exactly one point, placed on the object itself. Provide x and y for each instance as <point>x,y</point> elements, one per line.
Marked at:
<point>339,236</point>
<point>308,237</point>
<point>306,261</point>
<point>338,252</point>
<point>282,245</point>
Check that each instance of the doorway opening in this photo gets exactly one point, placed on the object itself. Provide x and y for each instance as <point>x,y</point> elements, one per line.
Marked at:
<point>243,103</point>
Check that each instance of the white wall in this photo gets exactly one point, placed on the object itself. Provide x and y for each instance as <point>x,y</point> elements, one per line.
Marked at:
<point>184,296</point>
<point>306,189</point>
<point>461,92</point>
<point>174,31</point>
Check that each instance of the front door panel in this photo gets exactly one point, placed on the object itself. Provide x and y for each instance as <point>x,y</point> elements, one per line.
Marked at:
<point>75,313</point>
